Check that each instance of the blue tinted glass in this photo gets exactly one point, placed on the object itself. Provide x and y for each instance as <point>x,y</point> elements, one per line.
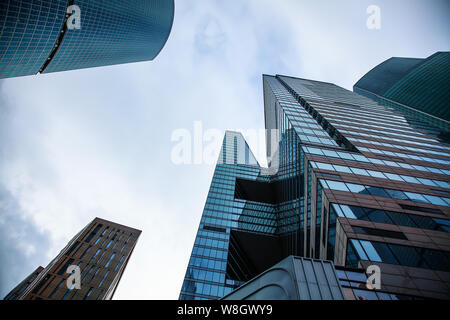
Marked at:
<point>370,250</point>
<point>356,188</point>
<point>435,200</point>
<point>393,176</point>
<point>359,249</point>
<point>336,185</point>
<point>376,174</point>
<point>416,197</point>
<point>375,191</point>
<point>324,166</point>
<point>365,294</point>
<point>397,194</point>
<point>360,171</point>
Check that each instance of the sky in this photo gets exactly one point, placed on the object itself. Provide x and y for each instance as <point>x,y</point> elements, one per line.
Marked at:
<point>81,144</point>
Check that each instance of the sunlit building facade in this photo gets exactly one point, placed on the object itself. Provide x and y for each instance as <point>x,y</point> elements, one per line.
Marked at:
<point>349,181</point>
<point>42,36</point>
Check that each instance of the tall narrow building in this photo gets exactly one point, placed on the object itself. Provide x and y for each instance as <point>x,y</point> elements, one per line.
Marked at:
<point>57,35</point>
<point>349,180</point>
<point>100,252</point>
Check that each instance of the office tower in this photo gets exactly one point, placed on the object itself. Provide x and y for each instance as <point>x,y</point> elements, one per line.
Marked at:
<point>234,231</point>
<point>349,181</point>
<point>14,293</point>
<point>43,36</point>
<point>419,88</point>
<point>100,251</point>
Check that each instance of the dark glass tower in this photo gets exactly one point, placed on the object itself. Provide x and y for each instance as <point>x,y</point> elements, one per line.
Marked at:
<point>34,36</point>
<point>101,251</point>
<point>349,180</point>
<point>419,88</point>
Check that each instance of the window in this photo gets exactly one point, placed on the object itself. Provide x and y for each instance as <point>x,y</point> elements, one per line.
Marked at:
<point>103,279</point>
<point>118,264</point>
<point>39,286</point>
<point>88,293</point>
<point>87,274</point>
<point>85,251</point>
<point>435,200</point>
<point>376,174</point>
<point>95,274</point>
<point>66,294</point>
<point>359,249</point>
<point>56,289</point>
<point>370,251</point>
<point>365,294</point>
<point>356,188</point>
<point>421,209</point>
<point>72,248</point>
<point>93,233</point>
<point>104,231</point>
<point>359,171</point>
<point>380,232</point>
<point>375,191</point>
<point>325,166</point>
<point>355,276</point>
<point>393,176</point>
<point>336,185</point>
<point>410,179</point>
<point>110,259</point>
<point>66,265</point>
<point>109,243</point>
<point>330,153</point>
<point>100,294</point>
<point>416,197</point>
<point>397,194</point>
<point>95,255</point>
<point>342,168</point>
<point>115,235</point>
<point>399,254</point>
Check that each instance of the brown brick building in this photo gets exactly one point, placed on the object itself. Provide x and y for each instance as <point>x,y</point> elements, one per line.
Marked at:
<point>101,251</point>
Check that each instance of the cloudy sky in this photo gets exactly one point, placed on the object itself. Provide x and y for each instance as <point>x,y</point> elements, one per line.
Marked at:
<point>80,144</point>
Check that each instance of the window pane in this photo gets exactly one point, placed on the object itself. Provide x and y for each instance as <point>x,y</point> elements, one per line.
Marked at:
<point>336,185</point>
<point>356,188</point>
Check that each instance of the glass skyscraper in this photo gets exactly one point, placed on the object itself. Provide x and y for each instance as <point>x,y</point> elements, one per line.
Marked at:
<point>420,88</point>
<point>35,38</point>
<point>349,180</point>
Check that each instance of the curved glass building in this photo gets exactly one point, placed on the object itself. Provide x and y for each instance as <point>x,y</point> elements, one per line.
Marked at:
<point>417,87</point>
<point>35,37</point>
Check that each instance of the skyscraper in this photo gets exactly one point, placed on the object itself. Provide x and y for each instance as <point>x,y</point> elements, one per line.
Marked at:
<point>20,288</point>
<point>349,180</point>
<point>420,88</point>
<point>100,251</point>
<point>43,36</point>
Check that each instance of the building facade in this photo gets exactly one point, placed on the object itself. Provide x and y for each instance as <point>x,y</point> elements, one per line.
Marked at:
<point>37,36</point>
<point>293,278</point>
<point>419,88</point>
<point>100,252</point>
<point>349,181</point>
<point>297,278</point>
<point>20,288</point>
